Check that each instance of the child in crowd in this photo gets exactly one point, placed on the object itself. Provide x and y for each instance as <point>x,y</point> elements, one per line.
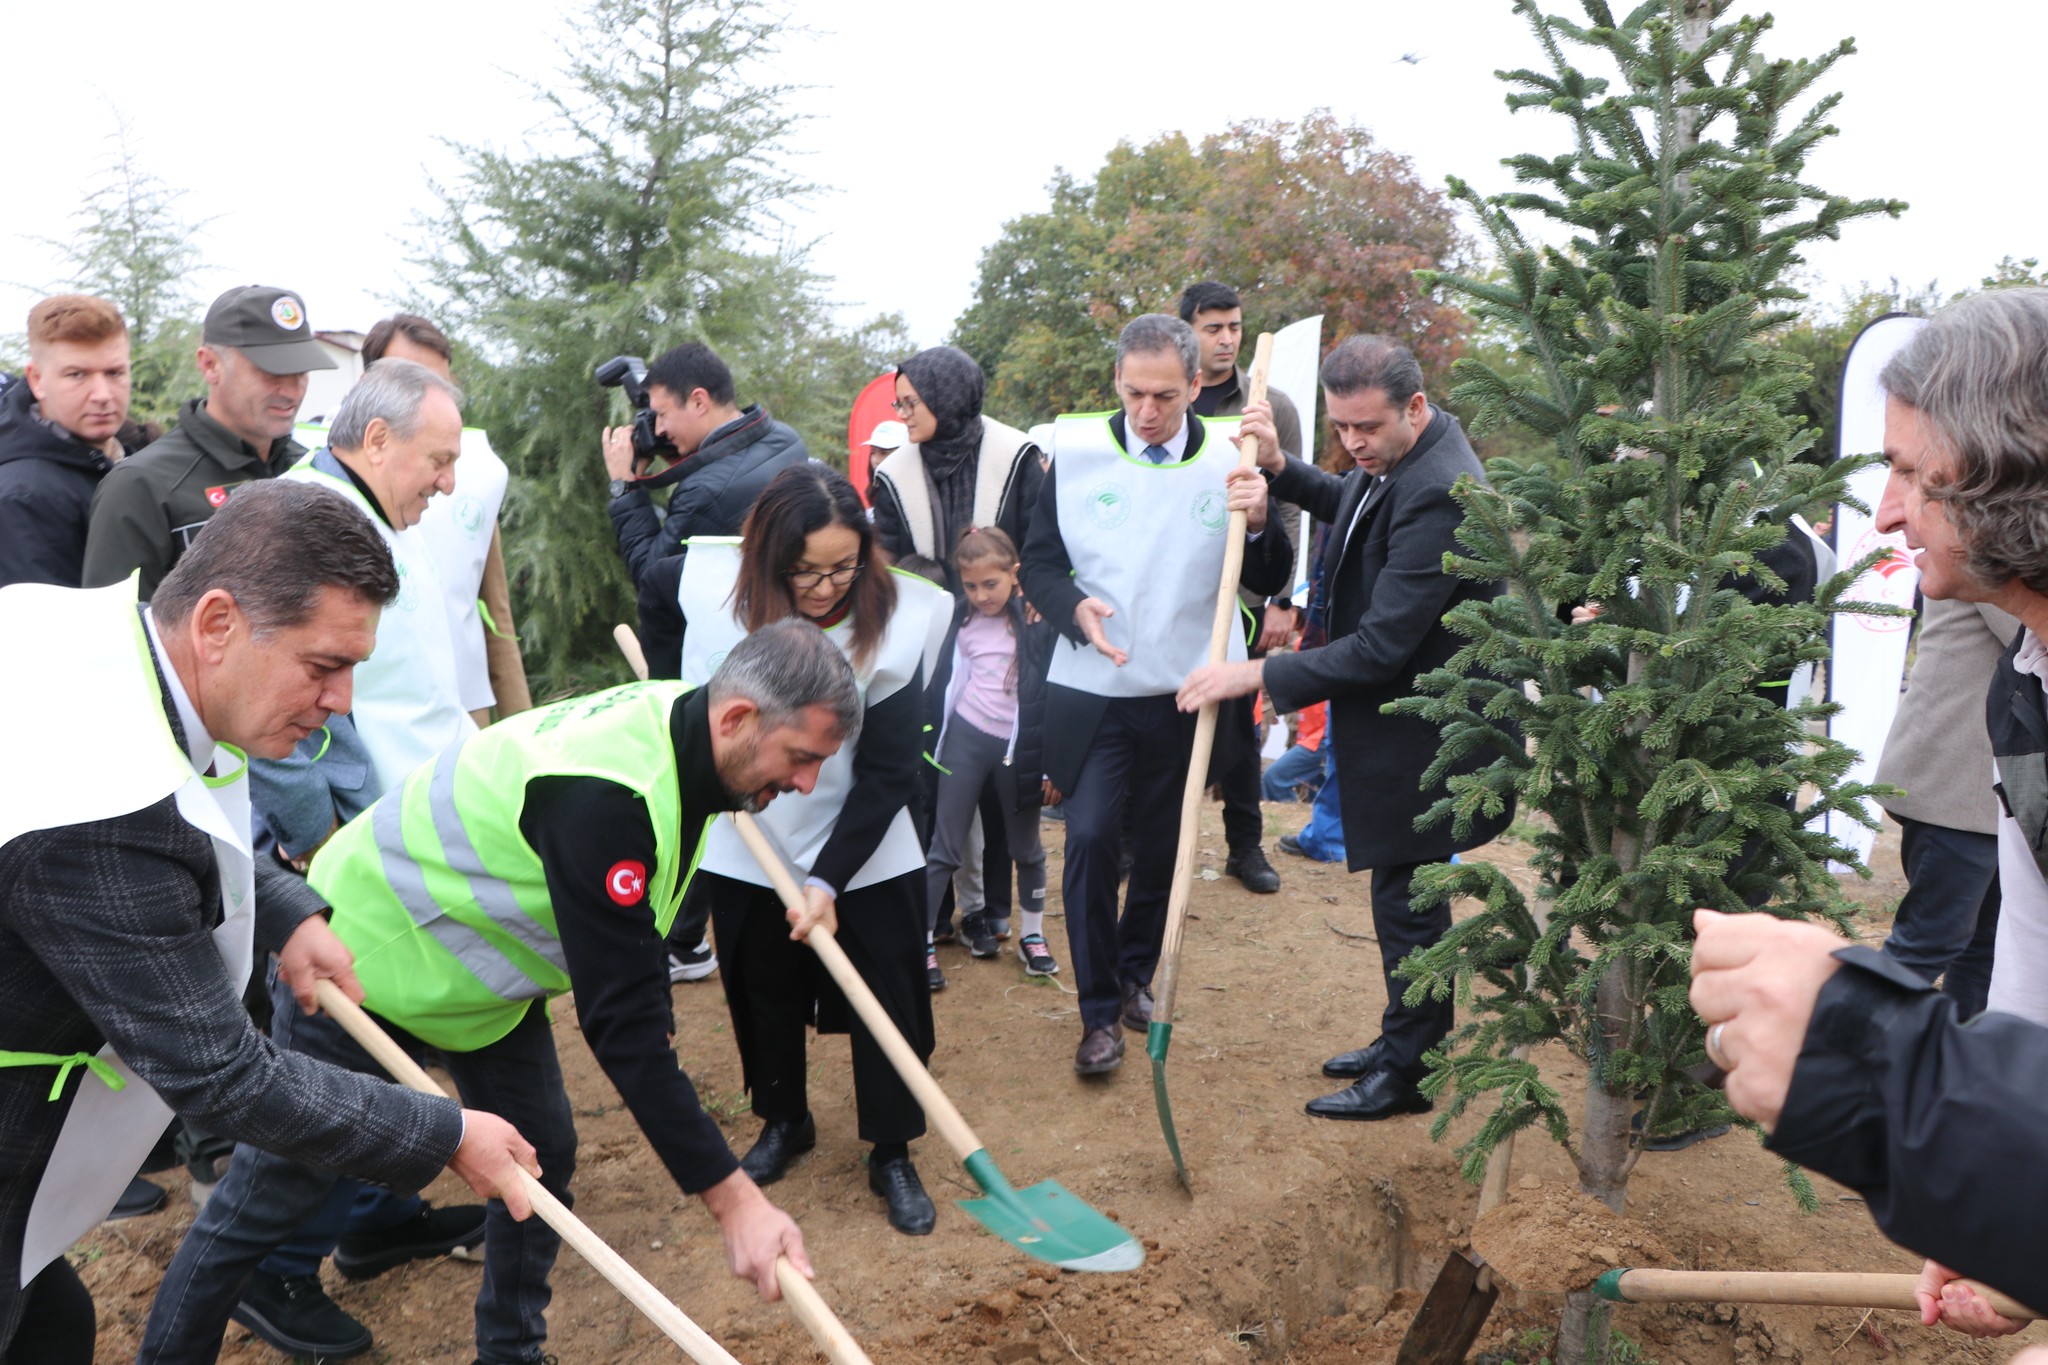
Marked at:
<point>994,705</point>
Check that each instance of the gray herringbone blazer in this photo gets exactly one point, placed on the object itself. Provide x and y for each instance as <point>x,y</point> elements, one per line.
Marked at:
<point>105,936</point>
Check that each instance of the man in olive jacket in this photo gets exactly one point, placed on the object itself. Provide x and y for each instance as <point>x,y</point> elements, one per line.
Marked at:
<point>1394,519</point>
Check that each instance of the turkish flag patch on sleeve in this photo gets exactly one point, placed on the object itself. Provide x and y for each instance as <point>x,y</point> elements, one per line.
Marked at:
<point>626,883</point>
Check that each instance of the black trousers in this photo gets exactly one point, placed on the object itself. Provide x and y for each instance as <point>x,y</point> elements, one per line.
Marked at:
<point>57,1325</point>
<point>776,988</point>
<point>1948,921</point>
<point>1138,763</point>
<point>1406,1031</point>
<point>1237,740</point>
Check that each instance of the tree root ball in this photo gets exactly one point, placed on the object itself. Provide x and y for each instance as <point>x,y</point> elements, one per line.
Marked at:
<point>1555,1241</point>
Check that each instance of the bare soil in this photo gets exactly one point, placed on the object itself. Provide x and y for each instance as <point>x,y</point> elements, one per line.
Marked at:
<point>1304,1240</point>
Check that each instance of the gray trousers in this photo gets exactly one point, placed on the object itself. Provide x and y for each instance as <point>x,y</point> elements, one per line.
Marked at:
<point>968,756</point>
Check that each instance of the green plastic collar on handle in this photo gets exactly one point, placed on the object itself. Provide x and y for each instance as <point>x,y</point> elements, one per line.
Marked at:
<point>1158,1038</point>
<point>982,1167</point>
<point>1608,1287</point>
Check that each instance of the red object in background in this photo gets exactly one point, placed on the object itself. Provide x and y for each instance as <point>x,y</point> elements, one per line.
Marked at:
<point>876,405</point>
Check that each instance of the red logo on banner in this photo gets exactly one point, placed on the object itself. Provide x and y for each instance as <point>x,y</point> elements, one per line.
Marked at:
<point>216,497</point>
<point>626,882</point>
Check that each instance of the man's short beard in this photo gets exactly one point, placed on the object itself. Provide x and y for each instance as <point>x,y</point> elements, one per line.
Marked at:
<point>753,800</point>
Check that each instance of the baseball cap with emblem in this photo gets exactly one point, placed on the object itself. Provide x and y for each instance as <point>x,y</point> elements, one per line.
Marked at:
<point>267,325</point>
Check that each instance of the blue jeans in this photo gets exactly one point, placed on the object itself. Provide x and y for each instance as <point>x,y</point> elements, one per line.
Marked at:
<point>1323,837</point>
<point>1298,767</point>
<point>264,1200</point>
<point>1948,919</point>
<point>351,1207</point>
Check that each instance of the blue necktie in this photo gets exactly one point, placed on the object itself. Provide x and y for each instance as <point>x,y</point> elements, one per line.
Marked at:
<point>1156,454</point>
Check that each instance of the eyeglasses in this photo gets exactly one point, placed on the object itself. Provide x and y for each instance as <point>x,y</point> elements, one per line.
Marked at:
<point>805,580</point>
<point>905,406</point>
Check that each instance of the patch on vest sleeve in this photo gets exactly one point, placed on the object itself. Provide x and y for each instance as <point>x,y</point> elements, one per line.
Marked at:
<point>626,883</point>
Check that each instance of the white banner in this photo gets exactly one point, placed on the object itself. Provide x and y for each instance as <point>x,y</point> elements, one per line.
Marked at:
<point>1297,355</point>
<point>1869,652</point>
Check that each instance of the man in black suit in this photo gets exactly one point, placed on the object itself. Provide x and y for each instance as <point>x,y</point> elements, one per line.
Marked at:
<point>1393,519</point>
<point>1126,563</point>
<point>129,907</point>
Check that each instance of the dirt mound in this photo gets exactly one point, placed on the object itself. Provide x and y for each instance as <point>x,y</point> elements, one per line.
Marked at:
<point>1552,1241</point>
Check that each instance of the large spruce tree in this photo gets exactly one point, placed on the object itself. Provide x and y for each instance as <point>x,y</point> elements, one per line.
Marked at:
<point>1645,272</point>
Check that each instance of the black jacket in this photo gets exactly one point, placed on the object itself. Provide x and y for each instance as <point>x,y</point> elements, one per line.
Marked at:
<point>1035,640</point>
<point>1936,1124</point>
<point>1387,593</point>
<point>150,505</point>
<point>1071,716</point>
<point>47,478</point>
<point>713,489</point>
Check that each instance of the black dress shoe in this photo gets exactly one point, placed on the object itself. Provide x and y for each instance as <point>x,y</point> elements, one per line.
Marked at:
<point>1251,868</point>
<point>1137,1007</point>
<point>1378,1095</point>
<point>427,1235</point>
<point>1102,1049</point>
<point>767,1161</point>
<point>1349,1066</point>
<point>141,1196</point>
<point>910,1208</point>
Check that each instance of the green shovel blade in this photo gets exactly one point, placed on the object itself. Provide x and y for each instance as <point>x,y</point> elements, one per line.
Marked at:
<point>1049,1222</point>
<point>1158,1038</point>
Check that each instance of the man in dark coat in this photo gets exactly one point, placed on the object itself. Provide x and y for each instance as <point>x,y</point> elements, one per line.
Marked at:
<point>727,455</point>
<point>1394,519</point>
<point>60,432</point>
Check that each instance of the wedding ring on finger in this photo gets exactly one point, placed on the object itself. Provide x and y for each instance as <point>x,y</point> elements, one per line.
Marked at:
<point>1714,1052</point>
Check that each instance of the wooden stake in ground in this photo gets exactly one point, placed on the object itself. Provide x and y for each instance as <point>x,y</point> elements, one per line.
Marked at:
<point>1166,980</point>
<point>826,1329</point>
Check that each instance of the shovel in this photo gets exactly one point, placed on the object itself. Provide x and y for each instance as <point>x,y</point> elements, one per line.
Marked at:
<point>1451,1316</point>
<point>811,1310</point>
<point>1044,1220</point>
<point>1828,1289</point>
<point>1166,979</point>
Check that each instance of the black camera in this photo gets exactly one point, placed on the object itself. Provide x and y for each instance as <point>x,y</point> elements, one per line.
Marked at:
<point>630,373</point>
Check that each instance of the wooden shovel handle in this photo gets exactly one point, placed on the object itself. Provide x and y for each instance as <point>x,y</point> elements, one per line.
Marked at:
<point>817,1317</point>
<point>937,1107</point>
<point>1820,1289</point>
<point>639,1291</point>
<point>629,645</point>
<point>1166,984</point>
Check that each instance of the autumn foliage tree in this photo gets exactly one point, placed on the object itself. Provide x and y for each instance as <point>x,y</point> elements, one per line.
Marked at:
<point>1301,218</point>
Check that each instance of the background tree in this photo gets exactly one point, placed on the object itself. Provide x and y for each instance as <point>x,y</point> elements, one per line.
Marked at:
<point>132,248</point>
<point>1301,218</point>
<point>1659,749</point>
<point>645,217</point>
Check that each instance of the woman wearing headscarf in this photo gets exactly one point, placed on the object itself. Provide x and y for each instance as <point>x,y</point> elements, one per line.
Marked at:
<point>960,469</point>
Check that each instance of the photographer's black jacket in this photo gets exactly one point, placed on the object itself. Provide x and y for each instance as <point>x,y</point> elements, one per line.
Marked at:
<point>713,491</point>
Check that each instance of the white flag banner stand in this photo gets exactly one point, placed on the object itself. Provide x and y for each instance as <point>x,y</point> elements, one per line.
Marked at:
<point>1297,355</point>
<point>1869,652</point>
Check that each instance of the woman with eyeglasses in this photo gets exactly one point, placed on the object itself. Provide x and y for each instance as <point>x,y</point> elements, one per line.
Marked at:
<point>808,550</point>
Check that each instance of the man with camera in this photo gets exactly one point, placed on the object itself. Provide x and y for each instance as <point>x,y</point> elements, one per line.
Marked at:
<point>720,456</point>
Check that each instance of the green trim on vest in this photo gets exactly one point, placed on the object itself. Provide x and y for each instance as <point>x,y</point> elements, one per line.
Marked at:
<point>1209,424</point>
<point>444,903</point>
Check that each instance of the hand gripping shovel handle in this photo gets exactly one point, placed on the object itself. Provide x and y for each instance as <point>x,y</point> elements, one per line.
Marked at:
<point>937,1107</point>
<point>1167,981</point>
<point>639,1291</point>
<point>1828,1289</point>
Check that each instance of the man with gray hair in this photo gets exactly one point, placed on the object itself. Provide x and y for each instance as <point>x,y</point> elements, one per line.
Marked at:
<point>1393,520</point>
<point>546,854</point>
<point>1860,1068</point>
<point>1124,555</point>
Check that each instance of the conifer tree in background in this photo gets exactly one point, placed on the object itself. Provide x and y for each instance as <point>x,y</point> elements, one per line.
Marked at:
<point>1659,753</point>
<point>644,217</point>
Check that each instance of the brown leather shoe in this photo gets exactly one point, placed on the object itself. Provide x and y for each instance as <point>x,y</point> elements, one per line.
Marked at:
<point>1137,1007</point>
<point>1102,1049</point>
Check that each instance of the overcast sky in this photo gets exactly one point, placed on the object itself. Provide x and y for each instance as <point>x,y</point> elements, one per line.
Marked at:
<point>306,137</point>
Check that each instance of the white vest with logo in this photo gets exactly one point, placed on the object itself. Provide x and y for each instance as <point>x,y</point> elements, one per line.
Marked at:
<point>802,823</point>
<point>85,737</point>
<point>1148,540</point>
<point>408,705</point>
<point>457,528</point>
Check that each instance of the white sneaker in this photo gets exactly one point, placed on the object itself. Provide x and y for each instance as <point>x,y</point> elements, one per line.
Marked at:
<point>694,965</point>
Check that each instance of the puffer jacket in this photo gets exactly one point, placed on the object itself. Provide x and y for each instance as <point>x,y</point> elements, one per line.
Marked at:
<point>47,479</point>
<point>714,488</point>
